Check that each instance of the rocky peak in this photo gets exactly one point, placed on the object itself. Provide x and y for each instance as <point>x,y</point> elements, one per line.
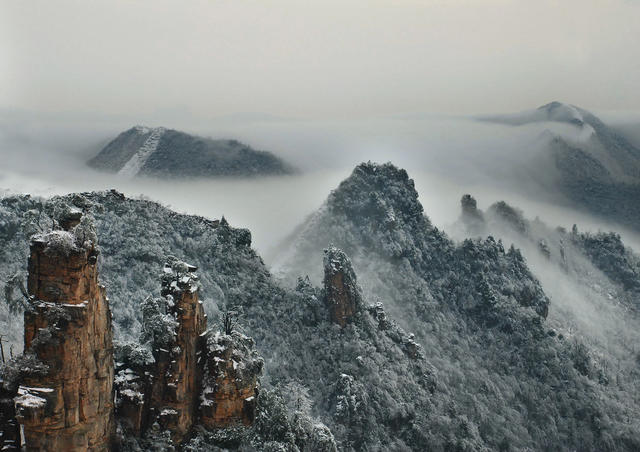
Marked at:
<point>342,293</point>
<point>377,192</point>
<point>67,328</point>
<point>193,377</point>
<point>472,217</point>
<point>470,206</point>
<point>561,112</point>
<point>230,383</point>
<point>178,367</point>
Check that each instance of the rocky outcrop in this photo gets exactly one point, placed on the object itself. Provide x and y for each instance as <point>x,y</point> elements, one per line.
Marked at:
<point>229,390</point>
<point>62,389</point>
<point>193,376</point>
<point>68,329</point>
<point>342,293</point>
<point>178,367</point>
<point>471,217</point>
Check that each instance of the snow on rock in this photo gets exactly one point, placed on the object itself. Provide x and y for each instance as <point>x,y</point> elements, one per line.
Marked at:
<point>28,398</point>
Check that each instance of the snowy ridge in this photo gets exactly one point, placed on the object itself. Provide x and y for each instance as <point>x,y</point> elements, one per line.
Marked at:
<point>558,111</point>
<point>552,112</point>
<point>137,161</point>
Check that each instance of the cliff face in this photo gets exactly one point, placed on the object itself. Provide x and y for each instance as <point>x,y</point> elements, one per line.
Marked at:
<point>343,296</point>
<point>68,329</point>
<point>178,370</point>
<point>230,386</point>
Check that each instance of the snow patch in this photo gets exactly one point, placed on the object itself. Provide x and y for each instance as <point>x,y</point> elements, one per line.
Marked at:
<point>28,398</point>
<point>137,161</point>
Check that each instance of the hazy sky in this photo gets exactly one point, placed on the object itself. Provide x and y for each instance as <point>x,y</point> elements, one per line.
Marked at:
<point>320,59</point>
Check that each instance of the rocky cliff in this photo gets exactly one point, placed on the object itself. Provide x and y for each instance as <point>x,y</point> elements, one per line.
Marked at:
<point>67,329</point>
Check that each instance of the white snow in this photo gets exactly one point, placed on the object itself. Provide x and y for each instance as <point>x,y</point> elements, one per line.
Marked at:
<point>26,397</point>
<point>137,161</point>
<point>28,388</point>
<point>142,129</point>
<point>133,395</point>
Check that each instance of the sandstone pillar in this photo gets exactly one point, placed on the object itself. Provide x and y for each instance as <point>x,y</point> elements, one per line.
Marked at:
<point>67,328</point>
<point>342,294</point>
<point>230,386</point>
<point>178,370</point>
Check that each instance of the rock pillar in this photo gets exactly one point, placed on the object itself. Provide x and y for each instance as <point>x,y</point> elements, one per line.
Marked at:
<point>68,329</point>
<point>178,370</point>
<point>342,294</point>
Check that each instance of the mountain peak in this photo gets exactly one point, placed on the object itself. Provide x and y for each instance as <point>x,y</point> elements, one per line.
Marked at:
<point>162,152</point>
<point>143,130</point>
<point>561,112</point>
<point>382,192</point>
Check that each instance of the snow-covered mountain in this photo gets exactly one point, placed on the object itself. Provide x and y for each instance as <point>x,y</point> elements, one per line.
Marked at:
<point>592,165</point>
<point>160,152</point>
<point>449,345</point>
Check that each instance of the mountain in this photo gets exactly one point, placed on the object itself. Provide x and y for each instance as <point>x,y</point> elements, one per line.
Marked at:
<point>598,266</point>
<point>399,339</point>
<point>472,305</point>
<point>160,152</point>
<point>591,164</point>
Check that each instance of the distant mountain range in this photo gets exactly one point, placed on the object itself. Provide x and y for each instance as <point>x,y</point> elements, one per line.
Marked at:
<point>160,152</point>
<point>594,166</point>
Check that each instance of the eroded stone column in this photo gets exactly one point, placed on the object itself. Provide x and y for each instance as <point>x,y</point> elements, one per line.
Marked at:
<point>342,294</point>
<point>230,386</point>
<point>178,370</point>
<point>68,329</point>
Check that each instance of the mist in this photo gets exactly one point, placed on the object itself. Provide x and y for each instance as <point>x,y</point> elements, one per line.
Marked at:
<point>323,85</point>
<point>447,156</point>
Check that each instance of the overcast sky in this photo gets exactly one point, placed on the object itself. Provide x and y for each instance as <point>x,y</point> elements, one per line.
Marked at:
<point>320,59</point>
